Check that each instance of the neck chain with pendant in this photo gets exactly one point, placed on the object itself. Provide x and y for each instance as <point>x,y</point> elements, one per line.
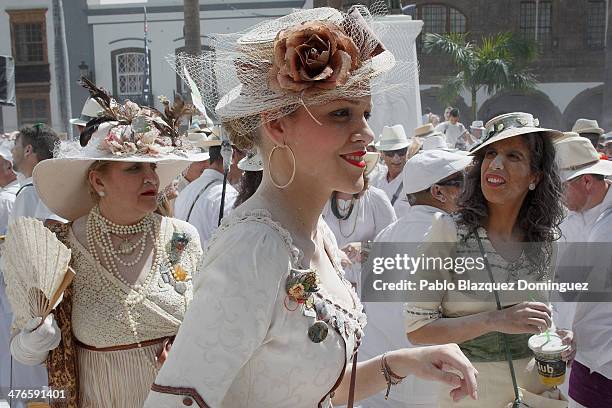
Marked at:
<point>336,210</point>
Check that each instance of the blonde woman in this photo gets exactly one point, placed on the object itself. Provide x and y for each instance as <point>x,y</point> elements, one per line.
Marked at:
<point>274,323</point>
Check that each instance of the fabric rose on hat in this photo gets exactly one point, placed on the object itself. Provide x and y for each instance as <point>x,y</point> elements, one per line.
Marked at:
<point>316,54</point>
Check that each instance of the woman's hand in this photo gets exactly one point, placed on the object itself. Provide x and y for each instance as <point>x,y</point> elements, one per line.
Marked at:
<point>567,336</point>
<point>445,363</point>
<point>525,317</point>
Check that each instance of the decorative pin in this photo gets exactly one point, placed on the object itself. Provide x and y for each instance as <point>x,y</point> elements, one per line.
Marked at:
<point>318,331</point>
<point>180,287</point>
<point>179,273</point>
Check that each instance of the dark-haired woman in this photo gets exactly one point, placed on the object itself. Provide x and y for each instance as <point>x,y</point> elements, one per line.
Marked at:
<point>510,210</point>
<point>359,217</point>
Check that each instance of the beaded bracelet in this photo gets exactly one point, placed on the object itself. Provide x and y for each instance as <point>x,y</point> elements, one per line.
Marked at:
<point>390,377</point>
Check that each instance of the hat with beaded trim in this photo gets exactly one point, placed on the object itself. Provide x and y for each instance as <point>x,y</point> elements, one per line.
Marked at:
<point>510,125</point>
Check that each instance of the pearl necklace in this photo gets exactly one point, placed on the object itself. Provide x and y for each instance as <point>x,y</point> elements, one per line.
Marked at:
<point>95,223</point>
<point>98,236</point>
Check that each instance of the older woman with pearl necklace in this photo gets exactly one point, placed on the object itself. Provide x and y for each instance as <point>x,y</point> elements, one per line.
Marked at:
<point>114,327</point>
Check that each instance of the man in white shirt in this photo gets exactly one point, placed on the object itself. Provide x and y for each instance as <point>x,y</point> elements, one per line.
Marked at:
<point>588,197</point>
<point>395,148</point>
<point>453,130</point>
<point>200,202</point>
<point>432,181</point>
<point>33,145</point>
<point>9,185</point>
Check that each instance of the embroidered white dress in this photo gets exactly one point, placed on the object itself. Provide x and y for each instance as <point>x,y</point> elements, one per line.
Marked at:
<point>101,319</point>
<point>239,346</point>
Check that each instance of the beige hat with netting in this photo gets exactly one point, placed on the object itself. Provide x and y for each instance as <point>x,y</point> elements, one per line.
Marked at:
<point>306,58</point>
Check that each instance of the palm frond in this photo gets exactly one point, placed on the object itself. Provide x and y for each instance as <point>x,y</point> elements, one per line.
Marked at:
<point>454,45</point>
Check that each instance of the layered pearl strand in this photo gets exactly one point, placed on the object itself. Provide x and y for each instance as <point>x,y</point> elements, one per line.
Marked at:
<point>99,230</point>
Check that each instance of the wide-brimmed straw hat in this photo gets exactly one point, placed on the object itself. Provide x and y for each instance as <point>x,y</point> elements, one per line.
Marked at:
<point>306,58</point>
<point>575,156</point>
<point>127,133</point>
<point>510,125</point>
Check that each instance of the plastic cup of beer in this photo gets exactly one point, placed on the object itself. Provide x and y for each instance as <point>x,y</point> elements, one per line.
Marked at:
<point>547,349</point>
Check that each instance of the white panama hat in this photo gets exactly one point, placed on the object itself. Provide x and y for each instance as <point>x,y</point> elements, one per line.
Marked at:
<point>478,124</point>
<point>576,156</point>
<point>392,138</point>
<point>426,168</point>
<point>91,110</point>
<point>587,126</point>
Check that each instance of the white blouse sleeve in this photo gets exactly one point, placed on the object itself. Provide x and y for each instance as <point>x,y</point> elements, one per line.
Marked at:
<point>384,214</point>
<point>241,277</point>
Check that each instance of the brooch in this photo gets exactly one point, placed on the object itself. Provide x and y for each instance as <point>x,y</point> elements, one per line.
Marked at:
<point>179,276</point>
<point>300,286</point>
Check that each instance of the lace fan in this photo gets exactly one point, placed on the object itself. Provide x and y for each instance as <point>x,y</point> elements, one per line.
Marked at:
<point>35,268</point>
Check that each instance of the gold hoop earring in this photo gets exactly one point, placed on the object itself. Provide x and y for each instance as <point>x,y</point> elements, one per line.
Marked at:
<point>270,166</point>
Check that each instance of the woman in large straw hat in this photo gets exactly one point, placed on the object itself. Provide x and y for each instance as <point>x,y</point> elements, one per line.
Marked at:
<point>133,268</point>
<point>274,323</point>
<point>509,211</point>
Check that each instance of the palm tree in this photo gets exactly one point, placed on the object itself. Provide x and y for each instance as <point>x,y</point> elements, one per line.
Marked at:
<point>192,26</point>
<point>499,63</point>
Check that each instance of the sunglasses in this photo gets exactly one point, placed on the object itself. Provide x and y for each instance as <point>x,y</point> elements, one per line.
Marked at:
<point>454,182</point>
<point>400,152</point>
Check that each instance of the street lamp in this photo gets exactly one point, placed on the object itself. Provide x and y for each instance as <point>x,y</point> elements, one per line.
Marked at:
<point>84,71</point>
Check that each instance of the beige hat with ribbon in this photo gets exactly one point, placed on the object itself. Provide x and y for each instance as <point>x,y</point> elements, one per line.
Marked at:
<point>587,126</point>
<point>575,156</point>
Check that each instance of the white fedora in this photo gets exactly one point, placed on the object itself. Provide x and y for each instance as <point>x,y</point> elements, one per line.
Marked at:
<point>252,161</point>
<point>430,166</point>
<point>203,139</point>
<point>91,110</point>
<point>392,138</point>
<point>575,156</point>
<point>587,126</point>
<point>478,124</point>
<point>511,125</point>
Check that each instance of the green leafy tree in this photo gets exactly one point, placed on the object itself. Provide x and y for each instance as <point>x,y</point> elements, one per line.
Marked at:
<point>499,63</point>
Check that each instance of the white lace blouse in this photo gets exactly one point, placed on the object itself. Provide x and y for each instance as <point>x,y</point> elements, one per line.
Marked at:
<point>239,344</point>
